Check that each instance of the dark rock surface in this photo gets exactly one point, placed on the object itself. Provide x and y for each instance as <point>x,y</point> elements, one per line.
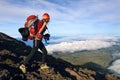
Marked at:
<point>12,52</point>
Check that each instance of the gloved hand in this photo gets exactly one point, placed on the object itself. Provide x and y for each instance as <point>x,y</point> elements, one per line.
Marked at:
<point>38,36</point>
<point>47,36</point>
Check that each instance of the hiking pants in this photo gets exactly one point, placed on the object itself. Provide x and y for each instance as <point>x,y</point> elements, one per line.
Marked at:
<point>37,44</point>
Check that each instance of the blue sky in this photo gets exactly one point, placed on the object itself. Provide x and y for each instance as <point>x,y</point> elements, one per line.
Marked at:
<point>68,17</point>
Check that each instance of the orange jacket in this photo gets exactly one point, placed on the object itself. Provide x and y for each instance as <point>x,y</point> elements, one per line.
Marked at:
<point>34,30</point>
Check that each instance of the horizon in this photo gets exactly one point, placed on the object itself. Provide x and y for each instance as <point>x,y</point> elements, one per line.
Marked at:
<point>67,17</point>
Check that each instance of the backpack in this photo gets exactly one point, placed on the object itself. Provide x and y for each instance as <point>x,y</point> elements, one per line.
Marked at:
<point>24,31</point>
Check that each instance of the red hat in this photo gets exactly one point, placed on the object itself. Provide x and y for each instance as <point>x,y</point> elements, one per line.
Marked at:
<point>46,16</point>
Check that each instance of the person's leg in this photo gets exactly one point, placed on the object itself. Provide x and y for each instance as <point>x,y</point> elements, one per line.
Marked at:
<point>44,55</point>
<point>44,51</point>
<point>34,49</point>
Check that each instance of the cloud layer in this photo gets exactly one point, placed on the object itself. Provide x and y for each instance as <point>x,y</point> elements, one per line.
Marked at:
<point>115,66</point>
<point>71,44</point>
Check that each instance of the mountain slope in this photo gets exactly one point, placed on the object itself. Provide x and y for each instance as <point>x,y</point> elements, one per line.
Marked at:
<point>12,52</point>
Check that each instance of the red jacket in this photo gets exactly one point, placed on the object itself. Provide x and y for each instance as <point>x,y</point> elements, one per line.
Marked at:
<point>34,30</point>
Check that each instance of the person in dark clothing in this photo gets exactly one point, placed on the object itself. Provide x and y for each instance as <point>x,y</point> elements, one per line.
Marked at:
<point>37,45</point>
<point>37,28</point>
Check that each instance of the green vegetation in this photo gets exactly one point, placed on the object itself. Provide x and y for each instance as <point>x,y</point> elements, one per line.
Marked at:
<point>100,57</point>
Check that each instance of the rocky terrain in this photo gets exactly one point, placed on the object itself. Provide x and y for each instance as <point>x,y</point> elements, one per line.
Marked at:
<point>12,52</point>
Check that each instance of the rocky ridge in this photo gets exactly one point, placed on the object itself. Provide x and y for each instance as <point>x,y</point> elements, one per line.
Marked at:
<point>12,52</point>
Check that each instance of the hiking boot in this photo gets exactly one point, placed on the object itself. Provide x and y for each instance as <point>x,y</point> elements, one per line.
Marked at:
<point>44,66</point>
<point>22,68</point>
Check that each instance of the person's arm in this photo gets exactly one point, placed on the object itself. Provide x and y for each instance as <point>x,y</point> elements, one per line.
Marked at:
<point>39,35</point>
<point>42,28</point>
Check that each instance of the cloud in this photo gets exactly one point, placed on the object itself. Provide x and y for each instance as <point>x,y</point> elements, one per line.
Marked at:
<point>105,38</point>
<point>78,44</point>
<point>11,12</point>
<point>116,55</point>
<point>115,67</point>
<point>83,37</point>
<point>75,9</point>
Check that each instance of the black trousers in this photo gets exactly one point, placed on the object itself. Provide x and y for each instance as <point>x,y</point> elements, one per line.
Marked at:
<point>37,44</point>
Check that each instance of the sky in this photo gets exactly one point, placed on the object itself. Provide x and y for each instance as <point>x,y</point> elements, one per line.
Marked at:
<point>68,17</point>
